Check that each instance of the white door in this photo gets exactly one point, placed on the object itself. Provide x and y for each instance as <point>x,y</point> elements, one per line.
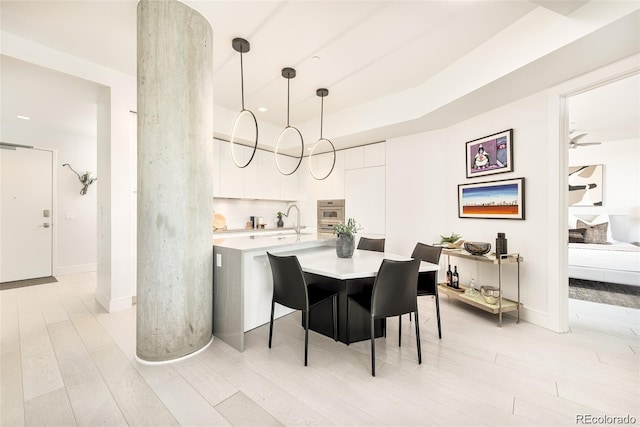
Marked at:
<point>25,214</point>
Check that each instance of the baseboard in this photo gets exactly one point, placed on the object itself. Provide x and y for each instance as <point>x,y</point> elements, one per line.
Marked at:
<point>113,305</point>
<point>75,269</point>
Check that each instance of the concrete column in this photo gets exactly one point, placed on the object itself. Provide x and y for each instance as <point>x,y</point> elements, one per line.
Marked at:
<point>175,131</point>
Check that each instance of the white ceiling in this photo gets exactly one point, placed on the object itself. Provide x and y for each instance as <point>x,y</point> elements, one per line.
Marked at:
<point>368,50</point>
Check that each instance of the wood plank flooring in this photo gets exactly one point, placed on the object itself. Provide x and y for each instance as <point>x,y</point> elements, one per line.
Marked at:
<point>65,362</point>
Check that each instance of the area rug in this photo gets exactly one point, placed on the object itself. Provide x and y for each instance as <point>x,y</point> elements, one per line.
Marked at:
<point>29,282</point>
<point>605,293</point>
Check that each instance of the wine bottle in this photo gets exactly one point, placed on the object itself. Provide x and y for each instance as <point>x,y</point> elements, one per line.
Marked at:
<point>449,277</point>
<point>455,278</point>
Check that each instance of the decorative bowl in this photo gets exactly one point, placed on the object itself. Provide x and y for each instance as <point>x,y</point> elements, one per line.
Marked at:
<point>477,248</point>
<point>490,294</point>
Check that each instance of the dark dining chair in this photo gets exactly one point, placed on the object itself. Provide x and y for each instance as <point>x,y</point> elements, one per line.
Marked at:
<point>428,280</point>
<point>291,290</point>
<point>393,294</point>
<point>371,244</point>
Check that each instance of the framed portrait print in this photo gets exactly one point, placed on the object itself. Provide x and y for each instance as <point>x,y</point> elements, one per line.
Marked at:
<point>490,154</point>
<point>503,199</point>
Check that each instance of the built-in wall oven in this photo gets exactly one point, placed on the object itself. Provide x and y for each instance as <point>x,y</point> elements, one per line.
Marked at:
<point>330,213</point>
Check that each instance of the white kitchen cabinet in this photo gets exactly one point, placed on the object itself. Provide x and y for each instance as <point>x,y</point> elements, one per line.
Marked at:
<point>231,176</point>
<point>272,179</point>
<point>365,198</point>
<point>252,180</point>
<point>289,182</point>
<point>374,154</point>
<point>333,186</point>
<point>365,156</point>
<point>354,158</point>
<point>216,167</point>
<point>259,180</point>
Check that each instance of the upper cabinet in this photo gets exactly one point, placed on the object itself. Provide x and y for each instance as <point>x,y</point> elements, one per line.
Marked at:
<point>231,177</point>
<point>259,180</point>
<point>365,156</point>
<point>331,187</point>
<point>374,155</point>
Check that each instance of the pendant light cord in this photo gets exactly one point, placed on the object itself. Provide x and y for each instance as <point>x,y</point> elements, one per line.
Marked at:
<point>321,114</point>
<point>242,79</point>
<point>288,85</point>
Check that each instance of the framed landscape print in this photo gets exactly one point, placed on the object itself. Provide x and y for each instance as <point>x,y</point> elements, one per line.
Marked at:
<point>490,154</point>
<point>502,199</point>
<point>585,185</point>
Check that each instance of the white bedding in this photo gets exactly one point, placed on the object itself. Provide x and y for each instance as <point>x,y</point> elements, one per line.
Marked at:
<point>615,263</point>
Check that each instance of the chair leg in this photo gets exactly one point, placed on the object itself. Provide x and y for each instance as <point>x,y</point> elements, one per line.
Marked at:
<point>400,331</point>
<point>335,318</point>
<point>306,336</point>
<point>438,316</point>
<point>418,339</point>
<point>273,304</point>
<point>409,317</point>
<point>373,348</point>
<point>348,320</point>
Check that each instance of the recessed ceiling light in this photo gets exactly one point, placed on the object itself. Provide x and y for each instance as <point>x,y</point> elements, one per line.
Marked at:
<point>262,109</point>
<point>24,117</point>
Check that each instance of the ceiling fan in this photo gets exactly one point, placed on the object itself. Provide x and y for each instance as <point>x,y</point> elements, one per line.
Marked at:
<point>575,137</point>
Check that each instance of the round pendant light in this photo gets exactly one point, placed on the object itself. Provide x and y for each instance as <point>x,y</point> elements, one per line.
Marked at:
<point>322,93</point>
<point>288,73</point>
<point>242,46</point>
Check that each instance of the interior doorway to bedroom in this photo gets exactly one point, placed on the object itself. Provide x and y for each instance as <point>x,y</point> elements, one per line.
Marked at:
<point>604,194</point>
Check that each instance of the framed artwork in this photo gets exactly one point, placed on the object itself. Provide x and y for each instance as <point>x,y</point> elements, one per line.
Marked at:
<point>490,154</point>
<point>503,199</point>
<point>585,185</point>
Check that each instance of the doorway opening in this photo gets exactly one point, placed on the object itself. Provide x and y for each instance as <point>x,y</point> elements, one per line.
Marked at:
<point>604,193</point>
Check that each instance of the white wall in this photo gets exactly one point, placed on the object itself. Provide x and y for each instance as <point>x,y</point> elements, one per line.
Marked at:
<point>423,173</point>
<point>74,219</point>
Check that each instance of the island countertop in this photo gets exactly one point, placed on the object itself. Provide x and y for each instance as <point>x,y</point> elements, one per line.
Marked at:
<point>265,242</point>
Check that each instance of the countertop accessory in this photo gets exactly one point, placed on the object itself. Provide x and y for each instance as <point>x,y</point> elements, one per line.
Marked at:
<point>490,294</point>
<point>322,93</point>
<point>219,222</point>
<point>242,46</point>
<point>477,248</point>
<point>288,73</point>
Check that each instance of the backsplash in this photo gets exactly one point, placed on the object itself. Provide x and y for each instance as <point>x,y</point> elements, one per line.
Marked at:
<point>238,211</point>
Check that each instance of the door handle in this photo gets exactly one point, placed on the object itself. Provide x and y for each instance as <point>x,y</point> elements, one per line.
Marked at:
<point>45,225</point>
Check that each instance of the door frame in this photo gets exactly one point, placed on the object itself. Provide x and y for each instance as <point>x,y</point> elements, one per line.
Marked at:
<point>558,290</point>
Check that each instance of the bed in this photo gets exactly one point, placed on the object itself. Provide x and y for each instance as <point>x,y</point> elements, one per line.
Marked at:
<point>609,259</point>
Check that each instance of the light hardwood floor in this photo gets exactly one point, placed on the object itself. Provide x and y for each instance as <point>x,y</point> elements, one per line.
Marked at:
<point>65,361</point>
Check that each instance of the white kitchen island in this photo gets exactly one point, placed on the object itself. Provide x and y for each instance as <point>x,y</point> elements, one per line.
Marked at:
<point>242,283</point>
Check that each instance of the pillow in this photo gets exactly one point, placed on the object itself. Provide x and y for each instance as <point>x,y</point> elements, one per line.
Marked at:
<point>576,235</point>
<point>600,219</point>
<point>594,233</point>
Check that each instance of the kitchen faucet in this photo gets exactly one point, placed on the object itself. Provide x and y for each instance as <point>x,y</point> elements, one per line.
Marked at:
<point>293,205</point>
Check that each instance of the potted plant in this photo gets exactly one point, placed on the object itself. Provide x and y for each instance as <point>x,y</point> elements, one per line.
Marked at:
<point>452,241</point>
<point>345,244</point>
<point>280,222</point>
